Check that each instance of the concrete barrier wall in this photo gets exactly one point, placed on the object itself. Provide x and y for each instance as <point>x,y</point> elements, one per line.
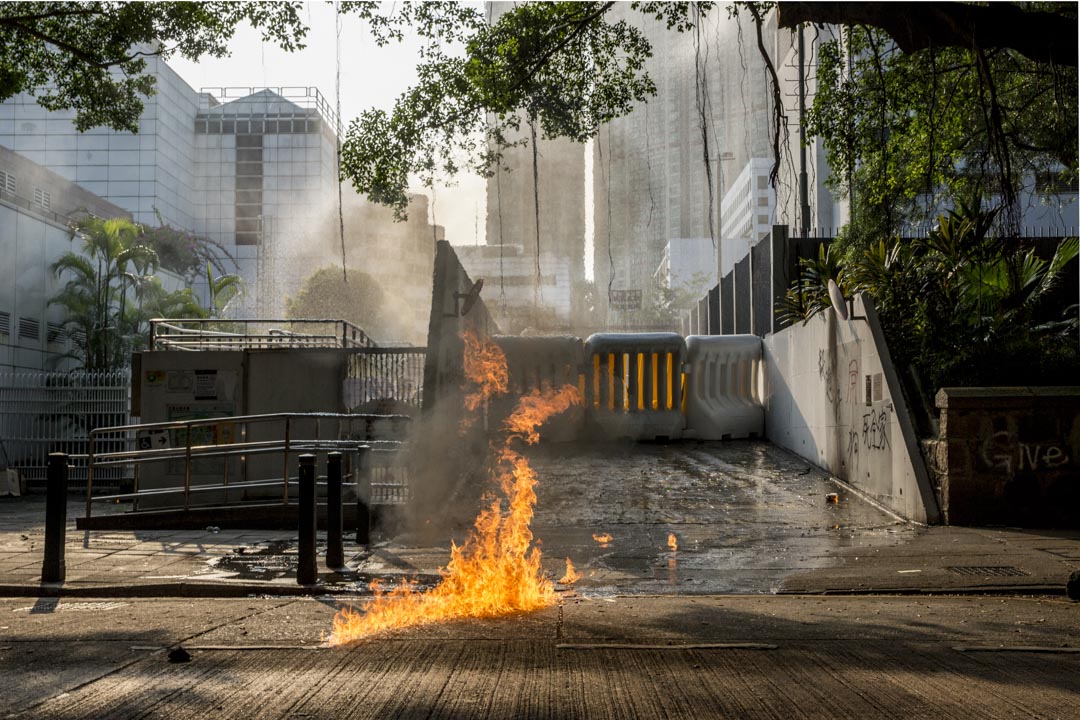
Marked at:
<point>833,398</point>
<point>443,366</point>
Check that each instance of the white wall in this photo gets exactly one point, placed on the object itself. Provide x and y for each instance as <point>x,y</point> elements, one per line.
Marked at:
<point>818,407</point>
<point>29,244</point>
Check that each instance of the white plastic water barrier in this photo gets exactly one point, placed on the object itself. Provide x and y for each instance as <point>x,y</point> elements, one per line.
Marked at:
<point>633,384</point>
<point>723,379</point>
<point>536,363</point>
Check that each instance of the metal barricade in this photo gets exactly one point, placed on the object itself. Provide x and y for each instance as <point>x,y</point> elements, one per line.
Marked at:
<point>634,384</point>
<point>538,363</point>
<point>723,387</point>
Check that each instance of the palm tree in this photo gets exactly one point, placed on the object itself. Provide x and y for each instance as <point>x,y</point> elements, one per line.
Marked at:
<point>95,295</point>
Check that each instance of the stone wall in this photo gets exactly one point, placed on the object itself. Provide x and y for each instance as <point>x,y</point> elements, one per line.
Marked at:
<point>1008,456</point>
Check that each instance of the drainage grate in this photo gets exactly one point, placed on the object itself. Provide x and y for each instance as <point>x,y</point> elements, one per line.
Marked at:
<point>988,570</point>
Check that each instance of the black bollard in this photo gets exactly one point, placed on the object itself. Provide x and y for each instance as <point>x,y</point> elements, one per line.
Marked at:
<point>363,496</point>
<point>335,552</point>
<point>306,568</point>
<point>52,569</point>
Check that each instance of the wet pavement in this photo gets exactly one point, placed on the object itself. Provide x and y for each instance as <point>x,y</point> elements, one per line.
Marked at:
<point>747,517</point>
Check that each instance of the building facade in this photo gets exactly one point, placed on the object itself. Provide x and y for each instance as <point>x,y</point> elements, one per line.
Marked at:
<point>252,169</point>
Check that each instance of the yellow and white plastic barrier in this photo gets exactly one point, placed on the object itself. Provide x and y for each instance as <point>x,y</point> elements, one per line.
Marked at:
<point>535,363</point>
<point>633,384</point>
<point>724,387</point>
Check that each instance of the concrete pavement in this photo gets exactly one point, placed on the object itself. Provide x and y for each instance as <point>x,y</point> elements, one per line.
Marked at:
<point>771,607</point>
<point>629,657</point>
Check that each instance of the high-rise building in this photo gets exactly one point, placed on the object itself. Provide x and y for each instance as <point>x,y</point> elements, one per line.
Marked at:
<point>659,173</point>
<point>557,185</point>
<point>252,169</point>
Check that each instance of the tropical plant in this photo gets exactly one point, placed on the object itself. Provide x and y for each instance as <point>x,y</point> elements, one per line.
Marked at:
<point>960,306</point>
<point>111,292</point>
<point>223,290</point>
<point>184,253</point>
<point>95,295</point>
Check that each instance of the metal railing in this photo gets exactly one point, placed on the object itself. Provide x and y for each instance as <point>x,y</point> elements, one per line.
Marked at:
<point>254,333</point>
<point>234,441</point>
<point>47,412</point>
<point>375,375</point>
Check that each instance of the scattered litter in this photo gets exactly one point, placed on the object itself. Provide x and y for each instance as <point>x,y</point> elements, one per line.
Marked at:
<point>908,572</point>
<point>832,498</point>
<point>212,528</point>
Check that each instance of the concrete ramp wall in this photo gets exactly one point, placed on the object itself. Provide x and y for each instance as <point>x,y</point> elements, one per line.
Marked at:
<point>834,398</point>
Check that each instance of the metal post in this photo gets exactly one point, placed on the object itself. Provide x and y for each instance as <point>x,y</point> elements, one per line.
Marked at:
<point>52,569</point>
<point>306,569</point>
<point>187,469</point>
<point>285,464</point>
<point>90,474</point>
<point>335,553</point>
<point>363,495</point>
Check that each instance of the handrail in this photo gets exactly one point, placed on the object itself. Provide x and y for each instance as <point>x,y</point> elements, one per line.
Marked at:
<point>192,450</point>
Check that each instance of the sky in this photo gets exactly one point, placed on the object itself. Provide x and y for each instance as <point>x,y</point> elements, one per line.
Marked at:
<point>370,77</point>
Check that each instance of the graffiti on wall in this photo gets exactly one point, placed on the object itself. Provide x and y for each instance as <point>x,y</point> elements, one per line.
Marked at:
<point>1002,451</point>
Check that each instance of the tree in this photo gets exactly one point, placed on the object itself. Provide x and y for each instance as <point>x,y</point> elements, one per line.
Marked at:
<point>910,134</point>
<point>959,306</point>
<point>111,293</point>
<point>184,253</point>
<point>90,56</point>
<point>324,295</point>
<point>559,68</point>
<point>562,70</point>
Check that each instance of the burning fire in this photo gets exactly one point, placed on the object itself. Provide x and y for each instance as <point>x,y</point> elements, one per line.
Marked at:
<point>497,570</point>
<point>485,369</point>
<point>672,542</point>
<point>604,539</point>
<point>571,576</point>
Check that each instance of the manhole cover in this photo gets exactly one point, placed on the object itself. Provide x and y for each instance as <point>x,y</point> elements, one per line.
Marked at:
<point>987,570</point>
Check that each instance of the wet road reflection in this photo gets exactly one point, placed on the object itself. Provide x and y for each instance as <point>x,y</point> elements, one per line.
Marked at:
<point>744,515</point>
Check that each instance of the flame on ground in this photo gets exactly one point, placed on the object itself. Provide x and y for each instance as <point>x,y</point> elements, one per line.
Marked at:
<point>672,542</point>
<point>571,576</point>
<point>497,570</point>
<point>603,538</point>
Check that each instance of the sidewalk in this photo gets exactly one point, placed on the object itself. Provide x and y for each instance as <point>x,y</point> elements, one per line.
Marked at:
<point>238,563</point>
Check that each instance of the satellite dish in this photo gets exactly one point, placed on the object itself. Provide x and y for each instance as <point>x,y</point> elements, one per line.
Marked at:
<point>839,304</point>
<point>471,296</point>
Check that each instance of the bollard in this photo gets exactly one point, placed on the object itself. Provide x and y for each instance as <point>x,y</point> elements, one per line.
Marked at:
<point>363,496</point>
<point>52,569</point>
<point>335,553</point>
<point>306,568</point>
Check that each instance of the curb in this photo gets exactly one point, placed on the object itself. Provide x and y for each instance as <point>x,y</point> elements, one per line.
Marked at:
<point>176,590</point>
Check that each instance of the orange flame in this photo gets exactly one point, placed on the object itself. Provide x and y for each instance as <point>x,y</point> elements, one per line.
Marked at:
<point>571,576</point>
<point>497,570</point>
<point>485,368</point>
<point>672,542</point>
<point>604,539</point>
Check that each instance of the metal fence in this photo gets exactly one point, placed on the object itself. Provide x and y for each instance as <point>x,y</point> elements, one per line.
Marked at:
<point>45,412</point>
<point>376,375</point>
